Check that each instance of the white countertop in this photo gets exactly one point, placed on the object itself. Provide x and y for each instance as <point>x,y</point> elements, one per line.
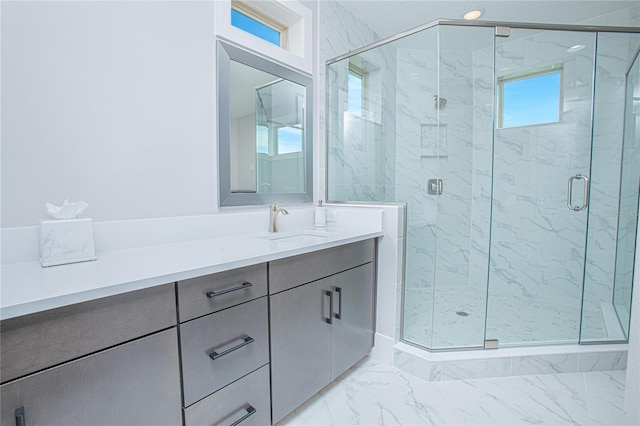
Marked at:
<point>27,287</point>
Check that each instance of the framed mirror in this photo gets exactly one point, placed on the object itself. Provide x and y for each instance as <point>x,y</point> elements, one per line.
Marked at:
<point>265,130</point>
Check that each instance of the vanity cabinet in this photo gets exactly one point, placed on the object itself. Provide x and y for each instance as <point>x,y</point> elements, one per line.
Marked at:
<point>224,341</point>
<point>319,328</point>
<point>245,346</point>
<point>108,361</point>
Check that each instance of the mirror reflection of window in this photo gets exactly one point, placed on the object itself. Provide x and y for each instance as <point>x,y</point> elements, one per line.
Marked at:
<point>265,128</point>
<point>262,139</point>
<point>267,132</point>
<point>279,136</point>
<point>289,140</point>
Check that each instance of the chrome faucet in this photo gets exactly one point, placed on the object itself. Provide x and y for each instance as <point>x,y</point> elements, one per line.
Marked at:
<point>273,215</point>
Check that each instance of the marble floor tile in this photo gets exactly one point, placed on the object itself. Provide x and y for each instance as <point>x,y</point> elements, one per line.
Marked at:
<point>373,393</point>
<point>338,404</point>
<point>605,408</point>
<point>610,381</point>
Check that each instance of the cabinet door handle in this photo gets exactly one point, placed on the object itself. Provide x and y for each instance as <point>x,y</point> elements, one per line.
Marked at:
<point>212,294</point>
<point>215,355</point>
<point>339,314</point>
<point>250,412</point>
<point>20,417</point>
<point>329,319</point>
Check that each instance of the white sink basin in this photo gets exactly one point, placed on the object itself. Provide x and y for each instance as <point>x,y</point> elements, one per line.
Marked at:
<point>302,236</point>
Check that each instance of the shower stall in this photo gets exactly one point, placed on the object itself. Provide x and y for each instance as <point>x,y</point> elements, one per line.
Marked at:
<point>516,148</point>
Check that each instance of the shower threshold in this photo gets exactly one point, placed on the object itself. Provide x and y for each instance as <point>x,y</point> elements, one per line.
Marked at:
<point>476,364</point>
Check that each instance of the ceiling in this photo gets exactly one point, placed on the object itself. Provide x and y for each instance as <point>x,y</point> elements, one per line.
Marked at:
<point>388,17</point>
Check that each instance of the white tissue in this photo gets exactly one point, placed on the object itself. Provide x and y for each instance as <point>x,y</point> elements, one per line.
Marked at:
<point>67,210</point>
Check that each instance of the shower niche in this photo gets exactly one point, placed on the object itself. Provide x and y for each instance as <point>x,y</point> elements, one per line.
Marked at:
<point>482,136</point>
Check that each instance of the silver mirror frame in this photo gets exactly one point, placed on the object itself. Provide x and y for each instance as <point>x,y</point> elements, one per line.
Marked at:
<point>225,53</point>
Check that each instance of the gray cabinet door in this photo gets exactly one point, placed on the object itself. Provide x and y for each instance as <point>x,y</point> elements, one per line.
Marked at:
<point>137,383</point>
<point>352,332</point>
<point>300,346</point>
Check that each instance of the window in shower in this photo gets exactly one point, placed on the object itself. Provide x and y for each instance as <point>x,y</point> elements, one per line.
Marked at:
<point>534,97</point>
<point>356,89</point>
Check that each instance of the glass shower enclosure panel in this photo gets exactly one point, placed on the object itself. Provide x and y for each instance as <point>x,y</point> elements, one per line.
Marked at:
<point>614,56</point>
<point>443,173</point>
<point>419,144</point>
<point>463,118</point>
<point>542,153</point>
<point>628,208</point>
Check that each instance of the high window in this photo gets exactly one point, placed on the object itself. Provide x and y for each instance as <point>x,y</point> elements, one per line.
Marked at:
<point>258,24</point>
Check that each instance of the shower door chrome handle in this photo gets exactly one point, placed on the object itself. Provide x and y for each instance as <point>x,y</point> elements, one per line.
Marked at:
<point>570,192</point>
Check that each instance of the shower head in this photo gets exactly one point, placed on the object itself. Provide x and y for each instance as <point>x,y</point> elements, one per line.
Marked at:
<point>439,103</point>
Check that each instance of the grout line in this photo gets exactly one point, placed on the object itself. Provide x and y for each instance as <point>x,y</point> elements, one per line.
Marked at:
<point>586,396</point>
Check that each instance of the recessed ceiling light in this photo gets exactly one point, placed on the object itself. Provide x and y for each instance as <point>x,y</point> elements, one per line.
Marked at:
<point>473,14</point>
<point>576,48</point>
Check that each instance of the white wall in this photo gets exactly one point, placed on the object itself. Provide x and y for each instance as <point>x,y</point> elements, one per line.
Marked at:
<point>111,103</point>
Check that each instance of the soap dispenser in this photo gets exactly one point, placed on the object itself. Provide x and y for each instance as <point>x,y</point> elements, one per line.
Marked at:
<point>320,215</point>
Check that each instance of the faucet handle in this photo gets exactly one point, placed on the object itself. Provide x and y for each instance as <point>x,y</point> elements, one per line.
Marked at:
<point>275,206</point>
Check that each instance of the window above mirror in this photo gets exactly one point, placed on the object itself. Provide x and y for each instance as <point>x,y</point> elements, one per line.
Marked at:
<point>260,25</point>
<point>278,30</point>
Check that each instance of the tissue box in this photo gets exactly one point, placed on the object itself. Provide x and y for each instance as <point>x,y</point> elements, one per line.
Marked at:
<point>66,241</point>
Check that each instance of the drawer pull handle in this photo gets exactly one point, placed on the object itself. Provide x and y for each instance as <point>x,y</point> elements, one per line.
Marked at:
<point>215,355</point>
<point>250,412</point>
<point>212,294</point>
<point>20,417</point>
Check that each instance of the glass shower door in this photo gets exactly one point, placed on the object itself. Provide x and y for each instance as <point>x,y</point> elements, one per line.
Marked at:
<point>542,154</point>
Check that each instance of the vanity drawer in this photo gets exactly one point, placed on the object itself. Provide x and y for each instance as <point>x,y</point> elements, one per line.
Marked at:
<point>248,397</point>
<point>294,271</point>
<point>237,337</point>
<point>33,342</point>
<point>210,293</point>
